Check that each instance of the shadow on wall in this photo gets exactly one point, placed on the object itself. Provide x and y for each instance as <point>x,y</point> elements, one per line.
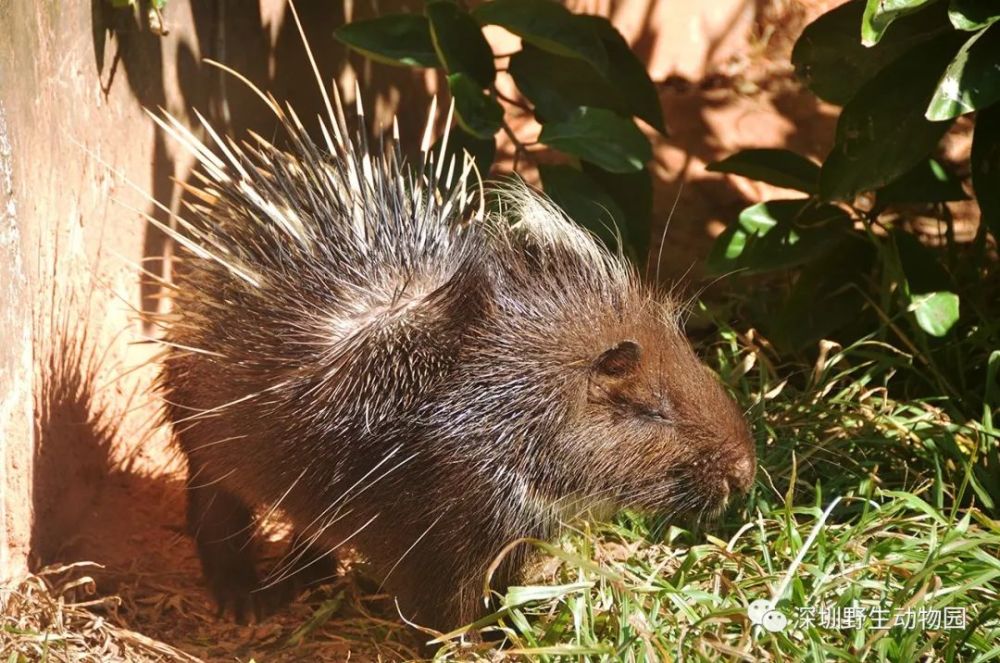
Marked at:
<point>76,455</point>
<point>73,437</point>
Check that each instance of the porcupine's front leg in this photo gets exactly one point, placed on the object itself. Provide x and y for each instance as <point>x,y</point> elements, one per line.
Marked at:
<point>223,530</point>
<point>440,583</point>
<point>430,592</point>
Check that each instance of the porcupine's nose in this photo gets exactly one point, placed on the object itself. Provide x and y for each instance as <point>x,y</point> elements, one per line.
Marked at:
<point>741,474</point>
<point>739,449</point>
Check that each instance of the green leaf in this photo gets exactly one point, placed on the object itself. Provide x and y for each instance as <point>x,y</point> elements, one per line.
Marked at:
<point>882,131</point>
<point>628,73</point>
<point>971,81</point>
<point>399,39</point>
<point>601,137</point>
<point>459,42</point>
<point>971,15</point>
<point>880,14</point>
<point>928,182</point>
<point>782,168</point>
<point>985,163</point>
<point>460,142</point>
<point>479,114</point>
<point>826,297</point>
<point>520,595</point>
<point>830,59</point>
<point>320,616</point>
<point>921,268</point>
<point>936,312</point>
<point>584,201</point>
<point>548,25</point>
<point>777,234</point>
<point>558,85</point>
<point>926,285</point>
<point>634,194</point>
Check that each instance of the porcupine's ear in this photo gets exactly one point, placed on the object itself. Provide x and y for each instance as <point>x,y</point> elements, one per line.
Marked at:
<point>618,361</point>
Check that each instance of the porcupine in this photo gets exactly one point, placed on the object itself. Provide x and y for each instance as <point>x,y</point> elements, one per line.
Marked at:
<point>348,342</point>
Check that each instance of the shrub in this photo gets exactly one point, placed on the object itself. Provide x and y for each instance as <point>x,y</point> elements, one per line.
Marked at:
<point>582,81</point>
<point>840,262</point>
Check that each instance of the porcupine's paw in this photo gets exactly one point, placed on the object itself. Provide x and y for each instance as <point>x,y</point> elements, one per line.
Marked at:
<point>223,530</point>
<point>232,581</point>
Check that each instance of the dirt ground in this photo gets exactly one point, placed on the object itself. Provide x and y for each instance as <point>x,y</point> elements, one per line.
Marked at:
<point>108,488</point>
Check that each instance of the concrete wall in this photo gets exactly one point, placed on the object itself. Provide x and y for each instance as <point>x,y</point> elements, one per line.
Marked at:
<point>15,376</point>
<point>78,159</point>
<point>63,315</point>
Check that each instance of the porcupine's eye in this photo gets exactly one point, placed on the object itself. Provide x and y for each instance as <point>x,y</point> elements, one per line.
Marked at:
<point>661,414</point>
<point>616,382</point>
<point>620,360</point>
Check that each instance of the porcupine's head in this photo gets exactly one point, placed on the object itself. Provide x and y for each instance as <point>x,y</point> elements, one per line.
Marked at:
<point>590,388</point>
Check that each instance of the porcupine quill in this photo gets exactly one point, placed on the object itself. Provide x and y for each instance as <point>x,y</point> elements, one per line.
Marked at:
<point>404,369</point>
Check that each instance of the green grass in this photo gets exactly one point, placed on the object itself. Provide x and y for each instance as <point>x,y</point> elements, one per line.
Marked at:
<point>906,538</point>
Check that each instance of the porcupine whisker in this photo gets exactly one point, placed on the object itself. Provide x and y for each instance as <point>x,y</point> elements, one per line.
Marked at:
<point>306,542</point>
<point>625,496</point>
<point>346,495</point>
<point>201,413</point>
<point>192,476</point>
<point>301,545</point>
<point>584,502</point>
<point>350,488</point>
<point>213,481</point>
<point>710,512</point>
<point>186,348</point>
<point>190,426</point>
<point>253,526</point>
<point>654,493</point>
<point>677,286</point>
<point>139,406</point>
<point>420,538</point>
<point>201,522</point>
<point>320,557</point>
<point>277,504</point>
<point>569,501</point>
<point>231,438</point>
<point>666,227</point>
<point>688,305</point>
